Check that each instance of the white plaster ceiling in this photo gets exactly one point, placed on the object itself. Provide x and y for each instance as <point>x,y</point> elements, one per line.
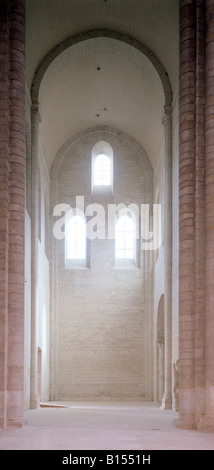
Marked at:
<point>126,92</point>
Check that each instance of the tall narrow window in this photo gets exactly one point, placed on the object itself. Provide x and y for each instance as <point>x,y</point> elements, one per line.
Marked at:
<point>125,238</point>
<point>76,239</point>
<point>102,170</point>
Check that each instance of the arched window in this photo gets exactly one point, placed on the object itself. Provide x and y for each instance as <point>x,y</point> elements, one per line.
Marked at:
<point>125,238</point>
<point>102,167</point>
<point>102,170</point>
<point>76,238</point>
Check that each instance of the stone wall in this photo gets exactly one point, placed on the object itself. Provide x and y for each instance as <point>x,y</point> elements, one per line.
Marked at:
<point>102,318</point>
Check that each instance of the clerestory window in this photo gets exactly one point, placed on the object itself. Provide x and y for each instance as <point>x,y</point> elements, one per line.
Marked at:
<point>125,238</point>
<point>76,240</point>
<point>102,168</point>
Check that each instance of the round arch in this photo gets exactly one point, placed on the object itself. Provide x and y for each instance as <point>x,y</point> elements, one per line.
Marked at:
<point>55,52</point>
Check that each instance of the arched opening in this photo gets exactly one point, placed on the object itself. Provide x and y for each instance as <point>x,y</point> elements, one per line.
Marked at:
<point>96,336</point>
<point>86,166</point>
<point>102,167</point>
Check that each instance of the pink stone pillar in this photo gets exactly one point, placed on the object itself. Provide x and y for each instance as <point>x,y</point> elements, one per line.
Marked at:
<point>196,317</point>
<point>4,202</point>
<point>187,216</point>
<point>199,208</point>
<point>207,422</point>
<point>15,384</point>
<point>12,209</point>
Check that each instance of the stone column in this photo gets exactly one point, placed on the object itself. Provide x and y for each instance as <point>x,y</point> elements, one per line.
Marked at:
<point>151,326</point>
<point>54,245</point>
<point>146,362</point>
<point>17,215</point>
<point>207,422</point>
<point>34,397</point>
<point>199,208</point>
<point>196,395</point>
<point>160,369</point>
<point>12,209</point>
<point>167,398</point>
<point>4,204</point>
<point>187,216</point>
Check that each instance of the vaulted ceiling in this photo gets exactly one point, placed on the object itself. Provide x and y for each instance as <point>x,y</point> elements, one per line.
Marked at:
<point>102,80</point>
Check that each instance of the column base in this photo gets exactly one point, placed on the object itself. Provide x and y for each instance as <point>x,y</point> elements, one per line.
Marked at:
<point>188,425</point>
<point>16,422</point>
<point>166,404</point>
<point>3,423</point>
<point>34,402</point>
<point>206,423</point>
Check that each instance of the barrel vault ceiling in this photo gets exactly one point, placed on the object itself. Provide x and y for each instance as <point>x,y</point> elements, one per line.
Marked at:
<point>102,81</point>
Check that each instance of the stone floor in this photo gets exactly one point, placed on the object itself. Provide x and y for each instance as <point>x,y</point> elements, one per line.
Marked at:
<point>102,426</point>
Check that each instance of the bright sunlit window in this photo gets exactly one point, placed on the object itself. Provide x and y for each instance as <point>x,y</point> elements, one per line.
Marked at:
<point>102,170</point>
<point>76,238</point>
<point>125,238</point>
